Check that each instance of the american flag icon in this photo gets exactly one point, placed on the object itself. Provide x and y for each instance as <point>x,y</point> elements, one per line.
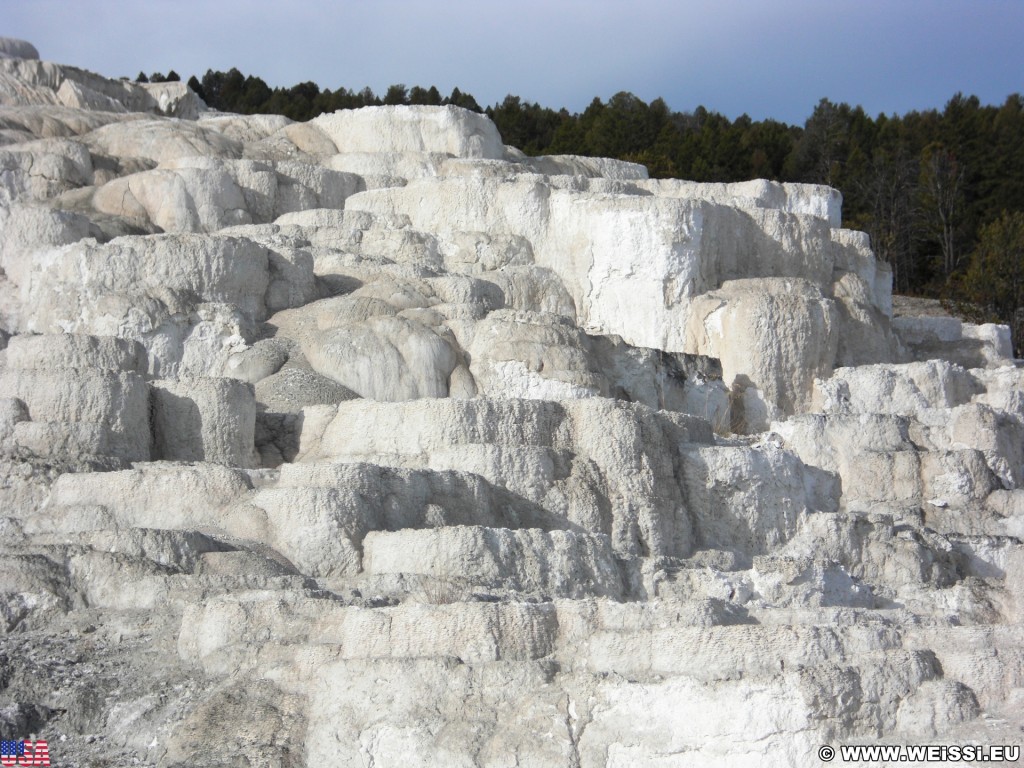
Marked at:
<point>24,753</point>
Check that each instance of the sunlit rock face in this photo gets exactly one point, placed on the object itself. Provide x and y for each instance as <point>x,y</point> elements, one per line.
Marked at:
<point>372,441</point>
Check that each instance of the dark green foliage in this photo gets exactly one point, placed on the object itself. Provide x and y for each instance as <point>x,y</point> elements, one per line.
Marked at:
<point>992,288</point>
<point>623,126</point>
<point>528,127</point>
<point>430,97</point>
<point>157,77</point>
<point>464,100</point>
<point>397,94</point>
<point>299,101</point>
<point>196,86</point>
<point>232,91</point>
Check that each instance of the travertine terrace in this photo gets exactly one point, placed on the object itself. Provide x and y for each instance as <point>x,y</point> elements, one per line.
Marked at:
<point>370,441</point>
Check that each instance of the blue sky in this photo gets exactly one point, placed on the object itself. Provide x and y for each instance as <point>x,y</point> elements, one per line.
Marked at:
<point>773,58</point>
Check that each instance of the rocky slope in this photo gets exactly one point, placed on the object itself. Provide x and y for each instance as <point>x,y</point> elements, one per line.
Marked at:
<point>371,441</point>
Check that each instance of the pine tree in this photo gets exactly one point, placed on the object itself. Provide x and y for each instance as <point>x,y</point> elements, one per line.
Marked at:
<point>993,287</point>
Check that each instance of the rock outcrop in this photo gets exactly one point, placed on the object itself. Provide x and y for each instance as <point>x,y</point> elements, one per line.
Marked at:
<point>372,441</point>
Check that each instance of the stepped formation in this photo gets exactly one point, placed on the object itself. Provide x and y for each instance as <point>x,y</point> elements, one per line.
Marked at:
<point>372,441</point>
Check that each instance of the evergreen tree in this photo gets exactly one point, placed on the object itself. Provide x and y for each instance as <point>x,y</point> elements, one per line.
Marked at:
<point>197,87</point>
<point>428,96</point>
<point>993,286</point>
<point>396,94</point>
<point>367,98</point>
<point>464,100</point>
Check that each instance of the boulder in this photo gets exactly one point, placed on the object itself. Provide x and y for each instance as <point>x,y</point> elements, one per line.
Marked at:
<point>160,141</point>
<point>210,420</point>
<point>788,337</point>
<point>13,48</point>
<point>83,397</point>
<point>451,130</point>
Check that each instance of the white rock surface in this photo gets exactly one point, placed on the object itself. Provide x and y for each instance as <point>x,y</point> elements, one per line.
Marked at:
<point>973,346</point>
<point>12,48</point>
<point>372,441</point>
<point>89,388</point>
<point>204,420</point>
<point>554,563</point>
<point>450,130</point>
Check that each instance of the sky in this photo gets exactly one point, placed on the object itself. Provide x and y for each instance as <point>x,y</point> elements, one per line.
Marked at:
<point>768,59</point>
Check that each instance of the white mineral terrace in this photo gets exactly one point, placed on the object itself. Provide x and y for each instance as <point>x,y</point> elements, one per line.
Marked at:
<point>370,441</point>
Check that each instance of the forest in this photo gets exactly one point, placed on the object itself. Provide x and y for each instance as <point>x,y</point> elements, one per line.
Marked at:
<point>940,192</point>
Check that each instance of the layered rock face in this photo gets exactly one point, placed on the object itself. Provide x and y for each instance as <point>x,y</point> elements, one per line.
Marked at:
<point>371,441</point>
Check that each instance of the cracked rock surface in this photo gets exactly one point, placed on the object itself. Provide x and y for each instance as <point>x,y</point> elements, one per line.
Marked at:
<point>371,441</point>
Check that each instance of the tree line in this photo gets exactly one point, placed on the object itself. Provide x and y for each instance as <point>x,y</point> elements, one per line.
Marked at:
<point>941,192</point>
<point>232,91</point>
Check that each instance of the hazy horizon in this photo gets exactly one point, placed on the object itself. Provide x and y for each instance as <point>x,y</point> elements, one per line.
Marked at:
<point>733,56</point>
